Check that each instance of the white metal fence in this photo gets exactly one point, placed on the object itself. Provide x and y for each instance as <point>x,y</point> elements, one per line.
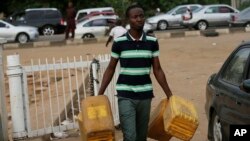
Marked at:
<point>46,95</point>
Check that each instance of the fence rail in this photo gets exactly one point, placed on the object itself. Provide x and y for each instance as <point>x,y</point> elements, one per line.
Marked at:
<point>46,95</point>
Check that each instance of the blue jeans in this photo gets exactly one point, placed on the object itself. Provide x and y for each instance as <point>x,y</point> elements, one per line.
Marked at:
<point>134,118</point>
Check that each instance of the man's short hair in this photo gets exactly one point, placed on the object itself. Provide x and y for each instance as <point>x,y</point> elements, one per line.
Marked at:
<point>132,7</point>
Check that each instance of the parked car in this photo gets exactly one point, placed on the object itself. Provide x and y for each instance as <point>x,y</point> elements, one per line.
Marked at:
<point>93,14</point>
<point>94,27</point>
<point>241,19</point>
<point>83,12</point>
<point>21,34</point>
<point>210,15</point>
<point>147,28</point>
<point>172,18</point>
<point>48,20</point>
<point>228,95</point>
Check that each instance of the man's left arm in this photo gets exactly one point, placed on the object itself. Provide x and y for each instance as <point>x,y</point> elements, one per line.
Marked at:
<point>160,76</point>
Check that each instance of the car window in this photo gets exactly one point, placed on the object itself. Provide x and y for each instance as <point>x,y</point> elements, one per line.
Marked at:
<point>81,15</point>
<point>212,10</point>
<point>198,9</point>
<point>2,24</point>
<point>233,73</point>
<point>107,11</point>
<point>32,15</point>
<point>193,8</point>
<point>181,10</point>
<point>245,12</point>
<point>224,9</point>
<point>99,22</point>
<point>50,14</point>
<point>19,16</point>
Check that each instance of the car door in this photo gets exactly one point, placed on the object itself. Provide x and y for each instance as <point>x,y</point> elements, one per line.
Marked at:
<point>234,102</point>
<point>35,18</point>
<point>98,27</point>
<point>5,31</point>
<point>212,15</point>
<point>175,18</point>
<point>224,14</point>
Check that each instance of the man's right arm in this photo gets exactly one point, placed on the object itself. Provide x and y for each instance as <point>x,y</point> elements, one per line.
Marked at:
<point>109,40</point>
<point>108,74</point>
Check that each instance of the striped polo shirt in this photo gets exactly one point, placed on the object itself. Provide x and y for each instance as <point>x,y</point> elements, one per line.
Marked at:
<point>135,65</point>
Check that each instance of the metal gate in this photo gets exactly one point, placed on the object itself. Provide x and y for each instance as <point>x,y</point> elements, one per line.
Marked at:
<point>45,96</point>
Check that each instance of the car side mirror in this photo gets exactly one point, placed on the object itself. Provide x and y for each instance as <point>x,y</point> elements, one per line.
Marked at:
<point>245,86</point>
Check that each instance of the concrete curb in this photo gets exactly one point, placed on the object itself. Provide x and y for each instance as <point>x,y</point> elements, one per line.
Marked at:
<point>158,34</point>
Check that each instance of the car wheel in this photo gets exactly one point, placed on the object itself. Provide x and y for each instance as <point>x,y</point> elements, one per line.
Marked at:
<point>22,38</point>
<point>202,25</point>
<point>162,25</point>
<point>88,36</point>
<point>48,30</point>
<point>216,128</point>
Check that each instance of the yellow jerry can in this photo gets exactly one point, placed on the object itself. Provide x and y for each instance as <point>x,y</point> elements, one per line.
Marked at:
<point>96,120</point>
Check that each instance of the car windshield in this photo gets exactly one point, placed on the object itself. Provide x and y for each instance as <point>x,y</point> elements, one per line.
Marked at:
<point>7,22</point>
<point>198,9</point>
<point>171,11</point>
<point>245,11</point>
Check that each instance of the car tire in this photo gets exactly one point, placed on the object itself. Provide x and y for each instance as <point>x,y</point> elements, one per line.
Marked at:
<point>162,25</point>
<point>48,30</point>
<point>216,127</point>
<point>88,36</point>
<point>210,33</point>
<point>202,25</point>
<point>22,38</point>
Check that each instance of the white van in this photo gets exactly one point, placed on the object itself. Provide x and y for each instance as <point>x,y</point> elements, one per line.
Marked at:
<point>83,12</point>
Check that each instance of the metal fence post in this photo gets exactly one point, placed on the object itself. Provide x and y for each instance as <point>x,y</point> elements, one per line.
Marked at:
<point>3,113</point>
<point>95,76</point>
<point>14,73</point>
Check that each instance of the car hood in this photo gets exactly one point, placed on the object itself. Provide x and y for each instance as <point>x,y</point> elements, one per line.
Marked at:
<point>23,27</point>
<point>162,16</point>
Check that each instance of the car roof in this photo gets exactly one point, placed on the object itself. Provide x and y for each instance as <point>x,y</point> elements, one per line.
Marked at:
<point>33,9</point>
<point>98,8</point>
<point>98,17</point>
<point>102,17</point>
<point>216,5</point>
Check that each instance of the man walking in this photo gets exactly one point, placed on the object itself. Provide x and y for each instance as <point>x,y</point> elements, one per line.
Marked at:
<point>71,25</point>
<point>136,52</point>
<point>116,31</point>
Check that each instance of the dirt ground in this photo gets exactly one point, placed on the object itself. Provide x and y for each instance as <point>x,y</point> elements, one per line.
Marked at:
<point>187,62</point>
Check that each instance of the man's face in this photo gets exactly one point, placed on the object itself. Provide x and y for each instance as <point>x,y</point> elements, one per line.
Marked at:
<point>136,19</point>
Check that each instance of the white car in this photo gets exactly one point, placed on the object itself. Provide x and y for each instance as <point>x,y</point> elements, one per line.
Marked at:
<point>147,28</point>
<point>21,34</point>
<point>210,15</point>
<point>172,18</point>
<point>94,27</point>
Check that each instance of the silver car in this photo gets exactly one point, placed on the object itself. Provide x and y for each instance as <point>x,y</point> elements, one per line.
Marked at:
<point>147,28</point>
<point>210,15</point>
<point>241,19</point>
<point>172,18</point>
<point>94,27</point>
<point>21,34</point>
